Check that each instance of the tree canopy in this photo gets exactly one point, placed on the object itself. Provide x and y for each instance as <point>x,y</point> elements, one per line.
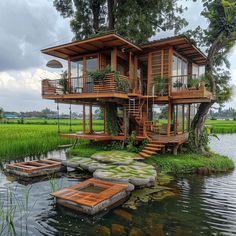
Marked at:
<point>137,20</point>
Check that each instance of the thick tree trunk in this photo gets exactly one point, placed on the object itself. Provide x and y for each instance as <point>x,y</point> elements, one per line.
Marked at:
<point>111,17</point>
<point>197,125</point>
<point>96,12</point>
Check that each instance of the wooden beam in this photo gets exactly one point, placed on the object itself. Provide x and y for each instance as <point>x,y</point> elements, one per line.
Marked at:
<point>69,74</point>
<point>170,66</point>
<point>169,119</point>
<point>84,117</point>
<point>149,79</point>
<point>114,64</point>
<point>90,118</point>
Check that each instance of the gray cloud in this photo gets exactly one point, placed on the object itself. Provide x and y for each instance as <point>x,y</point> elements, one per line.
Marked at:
<point>25,27</point>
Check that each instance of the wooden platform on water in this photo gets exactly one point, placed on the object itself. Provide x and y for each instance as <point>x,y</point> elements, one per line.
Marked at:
<point>36,168</point>
<point>91,196</point>
<point>95,137</point>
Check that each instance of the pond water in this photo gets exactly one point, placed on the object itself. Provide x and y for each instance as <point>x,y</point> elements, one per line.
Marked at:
<point>204,205</point>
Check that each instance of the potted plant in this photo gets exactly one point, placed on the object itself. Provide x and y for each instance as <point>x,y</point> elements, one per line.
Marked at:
<point>63,82</point>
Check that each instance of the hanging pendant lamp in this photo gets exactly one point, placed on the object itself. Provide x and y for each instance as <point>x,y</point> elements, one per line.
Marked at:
<point>54,64</point>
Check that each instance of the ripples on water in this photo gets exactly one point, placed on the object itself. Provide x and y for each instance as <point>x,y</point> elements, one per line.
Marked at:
<point>205,206</point>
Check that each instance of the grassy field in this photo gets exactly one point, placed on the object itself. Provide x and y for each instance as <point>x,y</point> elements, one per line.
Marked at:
<point>20,140</point>
<point>222,126</point>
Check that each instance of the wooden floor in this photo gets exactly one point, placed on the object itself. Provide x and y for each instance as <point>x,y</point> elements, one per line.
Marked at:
<point>95,137</point>
<point>34,166</point>
<point>175,139</point>
<point>76,194</point>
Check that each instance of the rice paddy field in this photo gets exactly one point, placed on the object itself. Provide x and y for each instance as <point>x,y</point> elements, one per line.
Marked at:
<point>222,126</point>
<point>21,140</point>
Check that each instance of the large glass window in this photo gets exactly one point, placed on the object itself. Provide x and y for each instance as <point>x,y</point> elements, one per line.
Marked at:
<point>77,76</point>
<point>179,73</point>
<point>91,66</point>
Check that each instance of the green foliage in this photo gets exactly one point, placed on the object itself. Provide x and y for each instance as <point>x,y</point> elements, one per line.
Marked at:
<point>160,85</point>
<point>121,84</point>
<point>189,162</point>
<point>87,149</point>
<point>64,82</point>
<point>177,84</point>
<point>194,83</point>
<point>131,146</point>
<point>100,75</point>
<point>204,139</point>
<point>136,20</point>
<point>111,120</point>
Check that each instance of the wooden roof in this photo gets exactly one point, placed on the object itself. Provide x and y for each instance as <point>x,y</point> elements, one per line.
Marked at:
<point>182,45</point>
<point>90,45</point>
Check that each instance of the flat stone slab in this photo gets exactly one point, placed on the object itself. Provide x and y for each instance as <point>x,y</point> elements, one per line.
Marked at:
<point>115,157</point>
<point>92,196</point>
<point>116,166</point>
<point>138,174</point>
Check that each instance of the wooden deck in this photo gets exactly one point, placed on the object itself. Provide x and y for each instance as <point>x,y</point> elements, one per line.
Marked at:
<point>172,139</point>
<point>95,137</point>
<point>92,196</point>
<point>34,168</point>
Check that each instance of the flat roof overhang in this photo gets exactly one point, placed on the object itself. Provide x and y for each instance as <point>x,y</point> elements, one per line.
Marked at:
<point>180,44</point>
<point>90,45</point>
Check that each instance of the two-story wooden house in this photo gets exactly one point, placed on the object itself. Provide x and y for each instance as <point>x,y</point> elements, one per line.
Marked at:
<point>155,87</point>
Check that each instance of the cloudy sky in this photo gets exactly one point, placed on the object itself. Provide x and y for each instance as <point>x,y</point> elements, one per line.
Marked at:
<point>26,26</point>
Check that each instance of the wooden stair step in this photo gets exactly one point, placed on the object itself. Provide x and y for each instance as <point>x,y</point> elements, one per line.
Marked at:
<point>142,154</point>
<point>155,145</point>
<point>152,148</point>
<point>148,152</point>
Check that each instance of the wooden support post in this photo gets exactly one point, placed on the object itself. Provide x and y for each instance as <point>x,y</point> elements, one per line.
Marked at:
<point>131,71</point>
<point>183,118</point>
<point>170,66</point>
<point>105,119</point>
<point>90,119</point>
<point>149,80</point>
<point>69,75</point>
<point>169,120</point>
<point>84,117</point>
<point>114,59</point>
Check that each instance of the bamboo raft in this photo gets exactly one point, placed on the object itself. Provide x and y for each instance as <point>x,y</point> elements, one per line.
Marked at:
<point>30,169</point>
<point>92,196</point>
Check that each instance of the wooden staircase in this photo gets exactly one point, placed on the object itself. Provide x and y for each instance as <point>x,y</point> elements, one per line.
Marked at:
<point>152,148</point>
<point>135,112</point>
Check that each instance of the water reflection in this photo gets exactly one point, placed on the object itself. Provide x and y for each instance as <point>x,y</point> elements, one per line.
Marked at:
<point>206,205</point>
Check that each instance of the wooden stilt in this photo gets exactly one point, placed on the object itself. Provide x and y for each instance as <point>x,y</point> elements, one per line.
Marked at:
<point>169,120</point>
<point>90,119</point>
<point>84,118</point>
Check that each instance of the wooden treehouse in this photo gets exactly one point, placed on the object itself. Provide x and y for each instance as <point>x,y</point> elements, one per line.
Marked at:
<point>153,89</point>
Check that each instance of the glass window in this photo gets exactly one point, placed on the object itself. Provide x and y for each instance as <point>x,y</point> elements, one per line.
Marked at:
<point>77,76</point>
<point>175,66</point>
<point>179,118</point>
<point>195,70</point>
<point>91,64</point>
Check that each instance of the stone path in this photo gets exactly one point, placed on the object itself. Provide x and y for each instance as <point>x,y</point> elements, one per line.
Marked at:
<point>117,166</point>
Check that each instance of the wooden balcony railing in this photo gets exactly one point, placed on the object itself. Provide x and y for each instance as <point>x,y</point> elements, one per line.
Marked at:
<point>188,86</point>
<point>79,85</point>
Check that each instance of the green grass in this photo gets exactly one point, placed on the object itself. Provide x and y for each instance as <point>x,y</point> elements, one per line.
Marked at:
<point>222,126</point>
<point>87,148</point>
<point>188,163</point>
<point>20,140</point>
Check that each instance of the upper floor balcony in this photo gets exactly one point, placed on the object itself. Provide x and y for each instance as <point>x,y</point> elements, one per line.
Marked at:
<point>112,85</point>
<point>179,87</point>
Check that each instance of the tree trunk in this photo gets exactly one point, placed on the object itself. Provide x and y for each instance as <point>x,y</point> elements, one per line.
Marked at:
<point>111,17</point>
<point>197,125</point>
<point>96,12</point>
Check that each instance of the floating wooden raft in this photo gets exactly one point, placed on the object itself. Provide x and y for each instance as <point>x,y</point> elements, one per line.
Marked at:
<point>36,168</point>
<point>92,195</point>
